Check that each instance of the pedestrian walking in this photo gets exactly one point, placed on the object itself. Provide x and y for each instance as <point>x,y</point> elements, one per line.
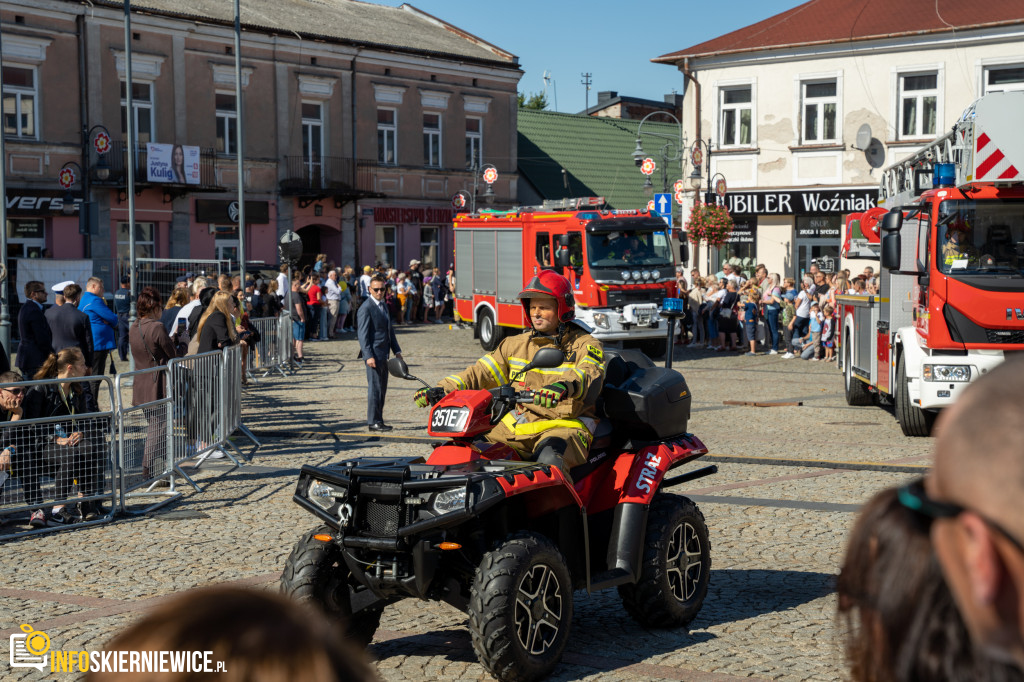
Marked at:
<point>376,341</point>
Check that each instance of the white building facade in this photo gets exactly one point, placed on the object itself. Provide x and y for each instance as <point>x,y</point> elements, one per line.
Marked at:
<point>801,131</point>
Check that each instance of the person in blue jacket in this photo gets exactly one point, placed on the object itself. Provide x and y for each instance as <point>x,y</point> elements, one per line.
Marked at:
<point>104,322</point>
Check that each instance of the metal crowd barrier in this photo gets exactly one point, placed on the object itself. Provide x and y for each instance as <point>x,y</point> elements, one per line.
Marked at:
<point>144,437</point>
<point>54,462</point>
<point>284,339</point>
<point>231,399</point>
<point>125,455</point>
<point>265,356</point>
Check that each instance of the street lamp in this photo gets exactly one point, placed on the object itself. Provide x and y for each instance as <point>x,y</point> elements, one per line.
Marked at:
<point>67,178</point>
<point>671,150</point>
<point>99,137</point>
<point>489,174</point>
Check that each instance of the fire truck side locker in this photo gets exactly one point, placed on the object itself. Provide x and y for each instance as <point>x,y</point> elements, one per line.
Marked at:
<point>493,281</point>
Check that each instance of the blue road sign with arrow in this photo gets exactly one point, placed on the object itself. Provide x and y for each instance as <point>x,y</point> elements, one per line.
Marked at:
<point>663,204</point>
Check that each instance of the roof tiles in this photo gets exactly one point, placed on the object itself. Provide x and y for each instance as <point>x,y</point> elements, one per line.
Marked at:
<point>596,153</point>
<point>831,21</point>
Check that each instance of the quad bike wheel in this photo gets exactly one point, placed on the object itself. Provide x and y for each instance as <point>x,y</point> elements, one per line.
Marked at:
<point>676,566</point>
<point>520,608</point>
<point>315,572</point>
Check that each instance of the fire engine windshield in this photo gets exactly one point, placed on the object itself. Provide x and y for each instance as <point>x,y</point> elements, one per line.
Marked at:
<point>618,249</point>
<point>981,238</point>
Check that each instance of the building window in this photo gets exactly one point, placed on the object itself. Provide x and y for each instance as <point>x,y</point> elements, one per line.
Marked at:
<point>387,133</point>
<point>474,143</point>
<point>145,244</point>
<point>227,123</point>
<point>429,247</point>
<point>819,111</point>
<point>998,79</point>
<point>737,114</point>
<point>142,103</point>
<point>432,140</point>
<point>919,96</point>
<point>313,142</point>
<point>19,102</point>
<point>226,244</point>
<point>385,250</point>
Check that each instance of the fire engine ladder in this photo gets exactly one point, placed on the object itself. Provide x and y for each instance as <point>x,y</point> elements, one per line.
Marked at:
<point>899,181</point>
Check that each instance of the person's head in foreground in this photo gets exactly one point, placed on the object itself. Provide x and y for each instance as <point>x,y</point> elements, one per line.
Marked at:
<point>258,636</point>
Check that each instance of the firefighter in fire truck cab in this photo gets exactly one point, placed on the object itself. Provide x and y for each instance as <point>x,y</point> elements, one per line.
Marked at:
<point>557,428</point>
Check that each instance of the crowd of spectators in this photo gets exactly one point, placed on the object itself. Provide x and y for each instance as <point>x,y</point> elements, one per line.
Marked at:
<point>784,317</point>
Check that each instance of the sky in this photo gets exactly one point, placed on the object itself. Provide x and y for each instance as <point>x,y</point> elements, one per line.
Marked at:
<point>613,41</point>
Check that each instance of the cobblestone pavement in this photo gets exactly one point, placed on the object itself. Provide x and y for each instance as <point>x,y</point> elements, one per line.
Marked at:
<point>778,511</point>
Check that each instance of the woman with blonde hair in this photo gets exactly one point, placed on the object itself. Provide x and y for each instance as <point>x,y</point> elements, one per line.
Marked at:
<point>215,329</point>
<point>175,302</point>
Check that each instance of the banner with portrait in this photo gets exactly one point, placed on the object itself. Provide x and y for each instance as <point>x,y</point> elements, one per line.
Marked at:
<point>172,163</point>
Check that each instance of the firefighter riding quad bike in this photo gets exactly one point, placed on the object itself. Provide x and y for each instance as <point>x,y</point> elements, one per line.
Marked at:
<point>506,540</point>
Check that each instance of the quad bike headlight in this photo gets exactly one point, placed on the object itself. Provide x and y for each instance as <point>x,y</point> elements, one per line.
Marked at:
<point>449,501</point>
<point>325,495</point>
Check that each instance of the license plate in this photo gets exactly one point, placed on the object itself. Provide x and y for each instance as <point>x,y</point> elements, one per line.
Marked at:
<point>449,419</point>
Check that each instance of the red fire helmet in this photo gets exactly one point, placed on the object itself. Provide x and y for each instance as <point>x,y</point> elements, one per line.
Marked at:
<point>550,284</point>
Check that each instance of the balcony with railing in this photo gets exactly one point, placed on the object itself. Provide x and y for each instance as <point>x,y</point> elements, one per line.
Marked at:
<point>315,178</point>
<point>111,170</point>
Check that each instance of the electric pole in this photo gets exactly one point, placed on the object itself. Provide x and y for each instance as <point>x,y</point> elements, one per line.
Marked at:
<point>586,82</point>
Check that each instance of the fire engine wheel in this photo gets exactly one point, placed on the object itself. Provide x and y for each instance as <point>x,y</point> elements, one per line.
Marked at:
<point>676,566</point>
<point>315,572</point>
<point>520,608</point>
<point>857,392</point>
<point>489,332</point>
<point>913,420</point>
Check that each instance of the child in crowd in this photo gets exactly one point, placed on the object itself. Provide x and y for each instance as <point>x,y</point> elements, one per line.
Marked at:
<point>817,321</point>
<point>750,319</point>
<point>828,333</point>
<point>787,317</point>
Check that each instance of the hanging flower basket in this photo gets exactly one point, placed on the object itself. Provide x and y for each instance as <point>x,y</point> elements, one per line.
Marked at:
<point>709,223</point>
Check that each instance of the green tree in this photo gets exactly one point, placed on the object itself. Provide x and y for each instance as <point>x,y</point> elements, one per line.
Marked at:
<point>538,101</point>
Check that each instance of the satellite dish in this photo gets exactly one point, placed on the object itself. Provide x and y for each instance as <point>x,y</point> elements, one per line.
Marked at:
<point>863,138</point>
<point>289,248</point>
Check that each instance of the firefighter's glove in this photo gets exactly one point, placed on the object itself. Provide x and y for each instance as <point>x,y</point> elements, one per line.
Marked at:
<point>428,396</point>
<point>550,395</point>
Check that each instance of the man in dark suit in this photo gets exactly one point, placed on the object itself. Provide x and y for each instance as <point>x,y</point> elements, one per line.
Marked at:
<point>376,340</point>
<point>69,326</point>
<point>36,342</point>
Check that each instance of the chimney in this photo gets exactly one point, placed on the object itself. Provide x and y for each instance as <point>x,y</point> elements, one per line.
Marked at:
<point>606,95</point>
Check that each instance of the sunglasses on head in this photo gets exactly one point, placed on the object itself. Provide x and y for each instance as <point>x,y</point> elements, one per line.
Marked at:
<point>914,497</point>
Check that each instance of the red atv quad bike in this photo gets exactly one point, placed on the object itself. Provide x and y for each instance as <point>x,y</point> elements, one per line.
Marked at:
<point>509,541</point>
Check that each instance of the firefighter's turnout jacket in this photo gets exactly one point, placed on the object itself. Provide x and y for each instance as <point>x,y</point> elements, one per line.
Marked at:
<point>572,419</point>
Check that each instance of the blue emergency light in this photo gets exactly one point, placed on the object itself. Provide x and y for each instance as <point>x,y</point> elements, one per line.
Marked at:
<point>944,175</point>
<point>672,306</point>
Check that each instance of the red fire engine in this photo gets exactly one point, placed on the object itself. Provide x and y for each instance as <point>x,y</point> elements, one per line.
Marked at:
<point>951,282</point>
<point>620,265</point>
